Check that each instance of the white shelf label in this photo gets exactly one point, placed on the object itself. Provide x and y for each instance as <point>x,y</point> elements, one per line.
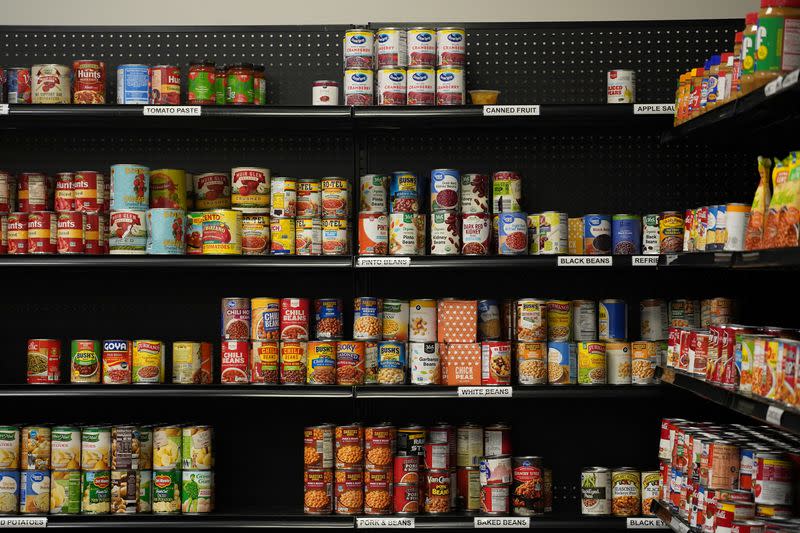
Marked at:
<point>790,79</point>
<point>671,258</point>
<point>171,110</point>
<point>773,86</point>
<point>677,525</point>
<point>510,110</point>
<point>383,261</point>
<point>502,522</point>
<point>646,523</point>
<point>585,260</point>
<point>485,392</point>
<point>3,109</point>
<point>653,109</point>
<point>23,521</point>
<point>774,415</point>
<point>644,260</point>
<point>385,522</point>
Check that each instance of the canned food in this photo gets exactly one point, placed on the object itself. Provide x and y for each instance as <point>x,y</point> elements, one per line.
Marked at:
<point>553,233</point>
<point>236,319</point>
<point>212,190</point>
<point>167,188</point>
<point>391,362</point>
<point>350,363</point>
<point>596,491</point>
<point>133,82</point>
<point>255,234</point>
<point>165,232</point>
<point>148,362</point>
<point>250,187</point>
<point>670,231</point>
<point>35,447</point>
<point>34,491</point>
<point>44,359</point>
<point>358,84</point>
<point>513,234</point>
<point>495,500</point>
<point>117,362</point>
<point>85,360</point>
<point>621,86</point>
<point>531,318</point>
<point>358,48</point>
<point>374,193</point>
<point>349,446</point>
<point>89,81</point>
<point>294,318</point>
<point>406,498</point>
<point>772,482</point>
<point>325,92</point>
<point>469,488</point>
<point>321,363</point>
<point>421,46</point>
<point>65,492</point>
<point>618,355</point>
<point>650,488</point>
<point>367,318</point>
<point>293,362</point>
<point>644,355</point>
<point>626,235</point>
<point>506,192</point>
<point>192,363</point>
<point>561,363</point>
<point>335,197</point>
<point>308,198</point>
<point>50,84</point>
<point>424,363</point>
<point>451,46</point>
<point>10,449</point>
<point>420,85</point>
<point>380,448</point>
<point>411,440</point>
<point>406,468</point>
<point>127,232</point>
<point>318,491</point>
<point>42,232</point>
<point>96,448</point>
<point>166,492</point>
<point>283,234</point>
<point>19,85</point>
<point>64,194</point>
<point>335,239</point>
<point>437,494</point>
<point>495,470</point>
<point>264,362</point>
<point>144,485</point>
<point>240,85</point>
<point>165,85</point>
<point>222,232</point>
<point>391,86</point>
<point>531,363</point>
<point>591,363</point>
<point>318,446</point>
<point>201,83</point>
<point>495,363</point>
<point>450,85</point>
<point>373,234</point>
<point>625,492</point>
<point>196,448</point>
<point>613,320</point>
<point>597,234</point>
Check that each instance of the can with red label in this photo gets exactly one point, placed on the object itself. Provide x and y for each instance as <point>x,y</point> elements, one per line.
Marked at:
<point>445,433</point>
<point>293,362</point>
<point>44,361</point>
<point>89,81</point>
<point>437,456</point>
<point>406,468</point>
<point>496,363</point>
<point>420,86</point>
<point>350,363</point>
<point>264,366</point>
<point>42,232</point>
<point>450,85</point>
<point>468,488</point>
<point>528,485</point>
<point>117,362</point>
<point>373,234</point>
<point>89,190</point>
<point>437,491</point>
<point>17,233</point>
<point>32,192</point>
<point>3,233</point>
<point>494,499</point>
<point>165,85</point>
<point>70,232</point>
<point>64,195</point>
<point>294,319</point>
<point>94,234</point>
<point>235,363</point>
<point>495,470</point>
<point>406,498</point>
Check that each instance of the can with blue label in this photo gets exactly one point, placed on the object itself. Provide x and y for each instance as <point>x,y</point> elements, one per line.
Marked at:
<point>9,492</point>
<point>512,231</point>
<point>711,227</point>
<point>721,229</point>
<point>445,189</point>
<point>34,491</point>
<point>328,318</point>
<point>596,234</point>
<point>626,234</point>
<point>133,84</point>
<point>19,85</point>
<point>404,192</point>
<point>391,362</point>
<point>130,187</point>
<point>613,320</point>
<point>165,231</point>
<point>562,363</point>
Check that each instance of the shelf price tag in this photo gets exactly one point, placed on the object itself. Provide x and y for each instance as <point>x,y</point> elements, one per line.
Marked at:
<point>383,261</point>
<point>644,260</point>
<point>790,79</point>
<point>3,109</point>
<point>774,415</point>
<point>653,109</point>
<point>773,86</point>
<point>502,522</point>
<point>510,110</point>
<point>384,522</point>
<point>23,521</point>
<point>585,260</point>
<point>171,110</point>
<point>646,523</point>
<point>484,392</point>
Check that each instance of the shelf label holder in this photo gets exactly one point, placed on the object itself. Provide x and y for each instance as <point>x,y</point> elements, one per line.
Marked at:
<point>172,111</point>
<point>384,522</point>
<point>23,521</point>
<point>485,392</point>
<point>774,415</point>
<point>505,522</point>
<point>644,260</point>
<point>585,260</point>
<point>383,262</point>
<point>511,111</point>
<point>646,523</point>
<point>653,109</point>
<point>3,109</point>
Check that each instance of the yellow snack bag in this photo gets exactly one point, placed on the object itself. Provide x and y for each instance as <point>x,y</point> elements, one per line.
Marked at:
<point>754,234</point>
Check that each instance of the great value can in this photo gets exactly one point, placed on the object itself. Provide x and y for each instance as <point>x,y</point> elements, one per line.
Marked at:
<point>222,232</point>
<point>421,85</point>
<point>117,362</point>
<point>133,82</point>
<point>596,234</point>
<point>421,46</point>
<point>451,46</point>
<point>450,85</point>
<point>358,85</point>
<point>34,491</point>
<point>148,362</point>
<point>250,187</point>
<point>391,86</point>
<point>445,189</point>
<point>613,320</point>
<point>165,229</point>
<point>513,234</point>
<point>626,235</point>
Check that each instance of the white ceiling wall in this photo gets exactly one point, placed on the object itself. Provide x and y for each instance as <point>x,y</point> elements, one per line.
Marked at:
<point>276,12</point>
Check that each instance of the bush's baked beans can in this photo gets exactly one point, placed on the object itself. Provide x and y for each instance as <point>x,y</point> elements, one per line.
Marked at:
<point>613,320</point>
<point>424,363</point>
<point>391,86</point>
<point>350,368</point>
<point>318,491</point>
<point>437,494</point>
<point>250,187</point>
<point>85,361</point>
<point>69,239</point>
<point>335,236</point>
<point>367,318</point>
<point>235,362</point>
<point>265,362</point>
<point>64,195</point>
<point>625,492</point>
<point>255,234</point>
<point>293,362</point>
<point>591,363</point>
<point>358,87</point>
<point>222,232</point>
<point>283,240</point>
<point>295,315</point>
<point>127,232</point>
<point>17,233</point>
<point>404,192</point>
<point>165,85</point>
<point>562,363</point>
<point>321,363</point>
<point>50,84</point>
<point>42,232</point>
<point>148,362</point>
<point>373,234</point>
<point>406,498</point>
<point>44,364</point>
<point>117,362</point>
<point>596,491</point>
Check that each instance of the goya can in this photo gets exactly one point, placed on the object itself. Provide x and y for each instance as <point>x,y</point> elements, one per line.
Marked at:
<point>308,236</point>
<point>89,81</point>
<point>85,360</point>
<point>168,188</point>
<point>44,361</point>
<point>513,234</point>
<point>148,362</point>
<point>335,196</point>
<point>255,234</point>
<point>613,320</point>
<point>165,85</point>
<point>65,492</point>
<point>133,82</point>
<point>283,239</point>
<point>596,234</point>
<point>626,235</point>
<point>50,84</point>
<point>165,229</point>
<point>222,232</point>
<point>250,187</point>
<point>117,362</point>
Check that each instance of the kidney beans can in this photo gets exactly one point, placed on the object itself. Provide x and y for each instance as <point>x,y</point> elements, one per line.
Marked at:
<point>148,362</point>
<point>50,84</point>
<point>44,360</point>
<point>451,46</point>
<point>596,491</point>
<point>450,86</point>
<point>445,189</point>
<point>420,85</point>
<point>335,236</point>
<point>358,87</point>
<point>133,82</point>
<point>476,234</point>
<point>513,234</point>
<point>117,362</point>
<point>222,232</point>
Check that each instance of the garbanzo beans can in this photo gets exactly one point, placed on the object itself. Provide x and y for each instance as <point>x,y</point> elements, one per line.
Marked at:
<point>531,363</point>
<point>222,232</point>
<point>625,492</point>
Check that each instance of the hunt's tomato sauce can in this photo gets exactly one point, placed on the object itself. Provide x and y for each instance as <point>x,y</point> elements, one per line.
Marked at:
<point>69,238</point>
<point>44,361</point>
<point>165,85</point>
<point>89,80</point>
<point>94,234</point>
<point>88,189</point>
<point>42,230</point>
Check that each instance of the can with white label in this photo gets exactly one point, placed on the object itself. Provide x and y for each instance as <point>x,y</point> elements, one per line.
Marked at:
<point>621,86</point>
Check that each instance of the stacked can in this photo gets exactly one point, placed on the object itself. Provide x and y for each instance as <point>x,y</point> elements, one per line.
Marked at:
<point>510,226</point>
<point>406,220</point>
<point>450,62</point>
<point>424,362</point>
<point>130,199</point>
<point>318,468</point>
<point>373,215</point>
<point>496,470</point>
<point>445,195</point>
<point>391,61</point>
<point>476,218</point>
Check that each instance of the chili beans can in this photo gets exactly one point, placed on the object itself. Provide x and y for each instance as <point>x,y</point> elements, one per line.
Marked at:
<point>222,232</point>
<point>89,81</point>
<point>335,197</point>
<point>597,234</point>
<point>625,492</point>
<point>451,46</point>
<point>133,82</point>
<point>596,491</point>
<point>335,236</point>
<point>235,362</point>
<point>148,362</point>
<point>321,363</point>
<point>295,314</point>
<point>34,491</point>
<point>236,318</point>
<point>350,367</point>
<point>255,234</point>
<point>250,187</point>
<point>613,320</point>
<point>265,362</point>
<point>42,232</point>
<point>308,236</point>
<point>318,491</point>
<point>283,239</point>
<point>670,231</point>
<point>117,362</point>
<point>358,87</point>
<point>69,237</point>
<point>17,233</point>
<point>626,235</point>
<point>293,362</point>
<point>44,359</point>
<point>264,315</point>
<point>424,363</point>
<point>50,84</point>
<point>165,85</point>
<point>191,362</point>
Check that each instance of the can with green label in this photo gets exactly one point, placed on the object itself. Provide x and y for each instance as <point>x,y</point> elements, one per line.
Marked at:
<point>65,492</point>
<point>144,483</point>
<point>239,86</point>
<point>219,84</point>
<point>197,492</point>
<point>166,490</point>
<point>85,361</point>
<point>201,86</point>
<point>96,492</point>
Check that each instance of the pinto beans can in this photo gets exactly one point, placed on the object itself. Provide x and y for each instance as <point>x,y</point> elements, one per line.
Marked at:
<point>373,234</point>
<point>44,361</point>
<point>117,362</point>
<point>250,187</point>
<point>50,84</point>
<point>42,232</point>
<point>148,362</point>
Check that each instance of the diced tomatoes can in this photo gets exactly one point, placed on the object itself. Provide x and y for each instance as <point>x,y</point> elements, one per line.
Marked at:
<point>64,194</point>
<point>148,362</point>
<point>95,229</point>
<point>283,240</point>
<point>308,236</point>
<point>69,238</point>
<point>255,234</point>
<point>44,361</point>
<point>42,232</point>
<point>117,362</point>
<point>265,362</point>
<point>308,202</point>
<point>88,189</point>
<point>17,233</point>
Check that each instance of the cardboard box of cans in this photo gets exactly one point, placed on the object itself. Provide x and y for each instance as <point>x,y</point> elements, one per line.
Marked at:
<point>96,470</point>
<point>136,211</point>
<point>726,477</point>
<point>407,470</point>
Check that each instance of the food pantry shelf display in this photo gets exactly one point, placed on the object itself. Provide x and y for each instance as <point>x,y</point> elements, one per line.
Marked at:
<point>298,341</point>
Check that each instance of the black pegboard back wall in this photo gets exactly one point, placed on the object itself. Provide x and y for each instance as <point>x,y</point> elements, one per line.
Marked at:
<point>540,63</point>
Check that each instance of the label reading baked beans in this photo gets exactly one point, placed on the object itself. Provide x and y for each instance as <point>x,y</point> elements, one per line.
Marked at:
<point>515,523</point>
